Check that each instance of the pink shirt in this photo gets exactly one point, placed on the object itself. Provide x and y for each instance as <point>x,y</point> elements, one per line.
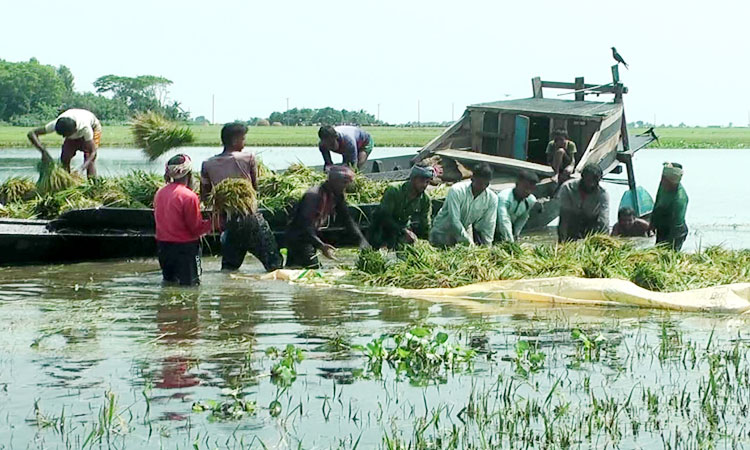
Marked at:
<point>178,215</point>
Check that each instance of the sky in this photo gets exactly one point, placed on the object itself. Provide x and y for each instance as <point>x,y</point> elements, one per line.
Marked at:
<point>409,59</point>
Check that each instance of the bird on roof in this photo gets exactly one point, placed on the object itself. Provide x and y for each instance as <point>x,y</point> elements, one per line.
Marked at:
<point>618,58</point>
<point>650,132</point>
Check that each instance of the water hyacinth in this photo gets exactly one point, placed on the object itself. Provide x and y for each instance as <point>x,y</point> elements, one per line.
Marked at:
<point>233,196</point>
<point>156,135</point>
<point>658,269</point>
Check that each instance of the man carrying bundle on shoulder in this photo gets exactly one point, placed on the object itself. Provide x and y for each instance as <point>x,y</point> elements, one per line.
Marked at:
<point>312,213</point>
<point>514,206</point>
<point>405,212</point>
<point>668,217</point>
<point>353,143</point>
<point>179,224</point>
<point>247,232</point>
<point>81,131</point>
<point>469,213</point>
<point>584,206</point>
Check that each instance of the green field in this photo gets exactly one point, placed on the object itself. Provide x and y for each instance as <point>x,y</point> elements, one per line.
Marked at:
<point>119,136</point>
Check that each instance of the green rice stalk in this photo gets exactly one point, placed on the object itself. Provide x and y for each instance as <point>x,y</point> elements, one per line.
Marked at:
<point>17,189</point>
<point>53,177</point>
<point>157,135</point>
<point>141,187</point>
<point>17,210</point>
<point>233,196</point>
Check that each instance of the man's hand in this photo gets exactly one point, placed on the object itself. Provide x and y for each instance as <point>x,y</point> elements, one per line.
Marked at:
<point>329,251</point>
<point>410,237</point>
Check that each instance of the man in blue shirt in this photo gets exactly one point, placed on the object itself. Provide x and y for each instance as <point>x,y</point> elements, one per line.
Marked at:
<point>353,143</point>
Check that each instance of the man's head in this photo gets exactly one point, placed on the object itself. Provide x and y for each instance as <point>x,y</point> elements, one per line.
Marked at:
<point>525,184</point>
<point>329,137</point>
<point>591,175</point>
<point>339,177</point>
<point>626,217</point>
<point>179,169</point>
<point>671,176</point>
<point>560,137</point>
<point>233,136</point>
<point>480,180</point>
<point>65,126</point>
<point>420,177</point>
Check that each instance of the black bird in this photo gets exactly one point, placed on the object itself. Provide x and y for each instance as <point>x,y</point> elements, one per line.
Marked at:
<point>650,132</point>
<point>618,58</point>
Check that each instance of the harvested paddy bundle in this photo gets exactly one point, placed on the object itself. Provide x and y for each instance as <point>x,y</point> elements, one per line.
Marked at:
<point>53,177</point>
<point>657,269</point>
<point>279,191</point>
<point>17,210</point>
<point>233,196</point>
<point>17,189</point>
<point>156,135</point>
<point>107,191</point>
<point>141,187</point>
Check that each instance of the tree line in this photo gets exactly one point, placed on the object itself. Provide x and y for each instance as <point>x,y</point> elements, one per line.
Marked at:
<point>317,116</point>
<point>32,93</point>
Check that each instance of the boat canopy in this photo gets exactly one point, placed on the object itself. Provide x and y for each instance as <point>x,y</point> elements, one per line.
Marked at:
<point>551,107</point>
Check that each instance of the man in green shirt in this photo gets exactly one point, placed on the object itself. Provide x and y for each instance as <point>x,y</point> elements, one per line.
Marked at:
<point>405,212</point>
<point>561,155</point>
<point>668,217</point>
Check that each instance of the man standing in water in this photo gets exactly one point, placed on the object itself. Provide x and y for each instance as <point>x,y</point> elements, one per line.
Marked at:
<point>81,131</point>
<point>244,233</point>
<point>668,217</point>
<point>584,206</point>
<point>469,213</point>
<point>514,206</point>
<point>312,212</point>
<point>628,225</point>
<point>405,211</point>
<point>353,143</point>
<point>561,155</point>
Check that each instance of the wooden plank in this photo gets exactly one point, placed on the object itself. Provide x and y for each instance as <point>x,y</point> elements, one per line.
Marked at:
<point>507,163</point>
<point>580,89</point>
<point>433,144</point>
<point>536,86</point>
<point>477,121</point>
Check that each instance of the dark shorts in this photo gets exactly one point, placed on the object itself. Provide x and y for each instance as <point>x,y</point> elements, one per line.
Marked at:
<point>301,254</point>
<point>252,234</point>
<point>72,146</point>
<point>180,262</point>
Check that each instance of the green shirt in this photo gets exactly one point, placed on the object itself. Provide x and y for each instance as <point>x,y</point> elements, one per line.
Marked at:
<point>397,212</point>
<point>570,150</point>
<point>670,207</point>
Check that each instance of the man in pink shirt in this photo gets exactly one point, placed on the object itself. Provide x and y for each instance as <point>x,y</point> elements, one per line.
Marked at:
<point>179,224</point>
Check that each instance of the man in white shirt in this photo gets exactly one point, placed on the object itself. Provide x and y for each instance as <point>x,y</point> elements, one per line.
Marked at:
<point>514,206</point>
<point>82,132</point>
<point>469,213</point>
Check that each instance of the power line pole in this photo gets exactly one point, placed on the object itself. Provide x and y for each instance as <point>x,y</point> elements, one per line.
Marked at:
<point>378,112</point>
<point>419,115</point>
<point>287,103</point>
<point>213,108</point>
<point>453,106</point>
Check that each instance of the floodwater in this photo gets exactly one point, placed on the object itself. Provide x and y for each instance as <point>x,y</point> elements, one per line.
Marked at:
<point>100,355</point>
<point>714,180</point>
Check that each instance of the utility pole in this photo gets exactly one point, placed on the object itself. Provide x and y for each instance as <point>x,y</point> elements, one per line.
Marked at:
<point>419,118</point>
<point>287,103</point>
<point>213,108</point>
<point>378,112</point>
<point>453,106</point>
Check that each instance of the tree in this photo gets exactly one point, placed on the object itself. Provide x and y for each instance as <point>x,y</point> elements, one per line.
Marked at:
<point>66,76</point>
<point>29,88</point>
<point>141,93</point>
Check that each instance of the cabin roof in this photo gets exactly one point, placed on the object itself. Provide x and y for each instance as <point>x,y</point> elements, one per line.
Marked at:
<point>552,106</point>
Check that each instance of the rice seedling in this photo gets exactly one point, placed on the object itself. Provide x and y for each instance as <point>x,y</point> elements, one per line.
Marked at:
<point>156,135</point>
<point>659,269</point>
<point>233,196</point>
<point>17,189</point>
<point>53,177</point>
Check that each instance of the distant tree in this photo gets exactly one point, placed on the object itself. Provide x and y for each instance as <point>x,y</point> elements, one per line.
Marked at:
<point>66,76</point>
<point>29,88</point>
<point>328,116</point>
<point>201,120</point>
<point>141,93</point>
<point>107,109</point>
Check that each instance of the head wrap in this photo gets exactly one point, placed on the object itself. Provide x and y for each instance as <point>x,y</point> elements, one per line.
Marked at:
<point>341,173</point>
<point>672,172</point>
<point>422,171</point>
<point>178,167</point>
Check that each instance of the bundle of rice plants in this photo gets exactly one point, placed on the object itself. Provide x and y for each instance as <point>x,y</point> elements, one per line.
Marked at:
<point>141,187</point>
<point>17,210</point>
<point>47,206</point>
<point>233,196</point>
<point>106,191</point>
<point>17,189</point>
<point>53,177</point>
<point>157,135</point>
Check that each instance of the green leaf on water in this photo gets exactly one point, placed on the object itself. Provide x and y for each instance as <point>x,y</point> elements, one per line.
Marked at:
<point>420,332</point>
<point>441,338</point>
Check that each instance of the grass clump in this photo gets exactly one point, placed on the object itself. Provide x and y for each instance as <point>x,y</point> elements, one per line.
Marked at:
<point>156,135</point>
<point>17,189</point>
<point>658,269</point>
<point>233,196</point>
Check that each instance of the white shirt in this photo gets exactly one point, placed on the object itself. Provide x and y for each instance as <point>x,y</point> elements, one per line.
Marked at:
<point>512,214</point>
<point>461,213</point>
<point>86,124</point>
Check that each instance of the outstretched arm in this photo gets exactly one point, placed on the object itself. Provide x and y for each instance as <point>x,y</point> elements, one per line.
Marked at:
<point>33,136</point>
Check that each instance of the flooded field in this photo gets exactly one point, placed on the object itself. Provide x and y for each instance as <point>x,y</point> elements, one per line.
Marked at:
<point>98,355</point>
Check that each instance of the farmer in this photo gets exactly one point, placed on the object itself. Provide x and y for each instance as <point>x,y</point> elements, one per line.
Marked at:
<point>584,206</point>
<point>668,217</point>
<point>628,225</point>
<point>561,155</point>
<point>514,206</point>
<point>179,224</point>
<point>353,143</point>
<point>82,132</point>
<point>405,211</point>
<point>469,213</point>
<point>312,212</point>
<point>243,233</point>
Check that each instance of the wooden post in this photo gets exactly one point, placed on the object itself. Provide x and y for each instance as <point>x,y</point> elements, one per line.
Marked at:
<point>579,89</point>
<point>477,124</point>
<point>536,85</point>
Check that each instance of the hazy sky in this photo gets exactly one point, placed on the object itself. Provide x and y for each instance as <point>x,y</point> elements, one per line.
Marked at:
<point>689,61</point>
